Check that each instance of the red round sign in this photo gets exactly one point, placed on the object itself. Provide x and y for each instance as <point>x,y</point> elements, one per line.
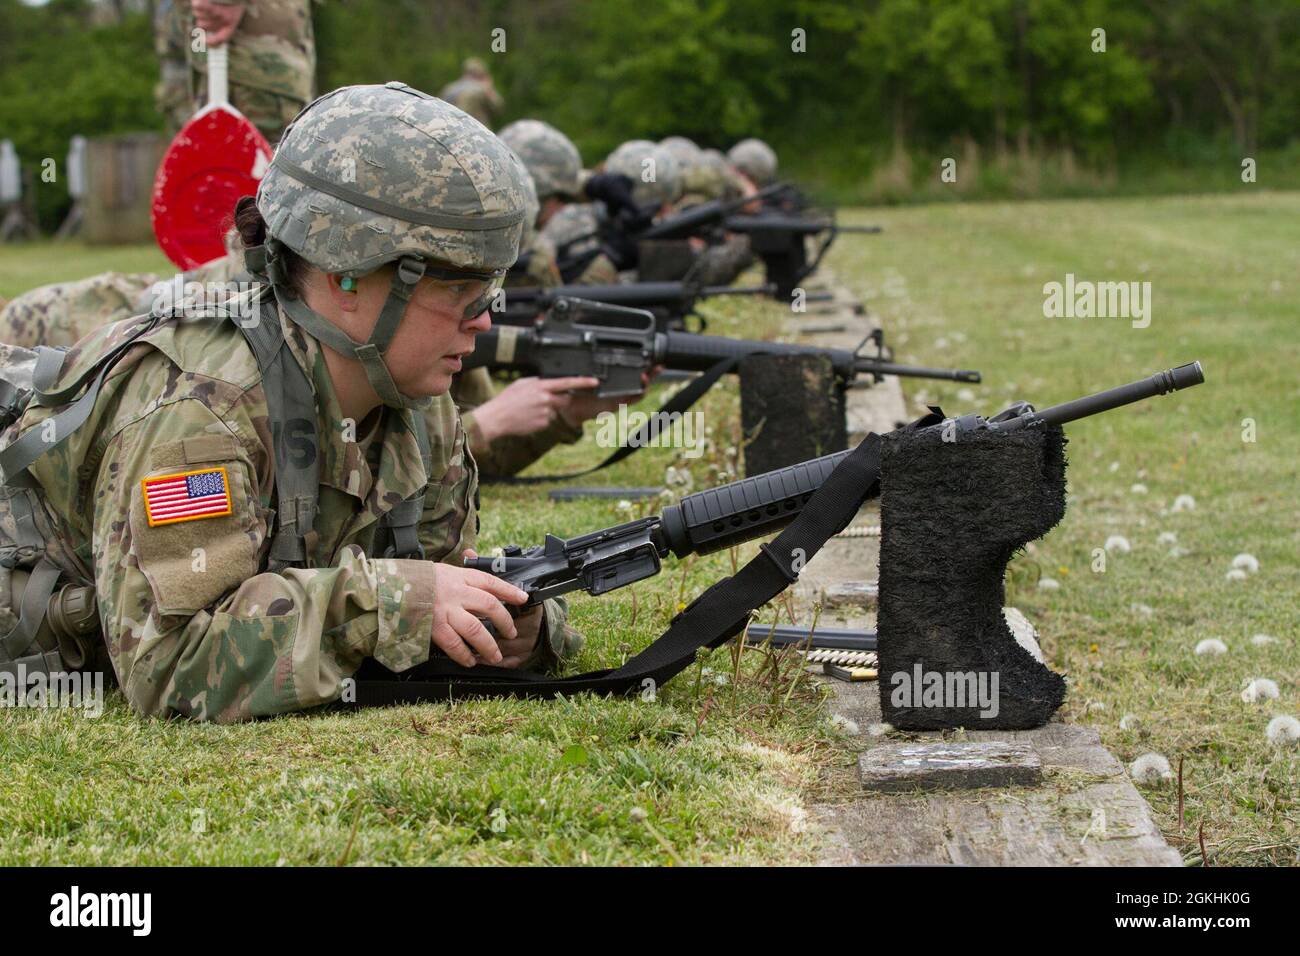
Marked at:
<point>218,157</point>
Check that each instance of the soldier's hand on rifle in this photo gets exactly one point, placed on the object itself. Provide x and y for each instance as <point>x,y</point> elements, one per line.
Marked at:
<point>463,598</point>
<point>528,405</point>
<point>217,20</point>
<point>584,405</point>
<point>516,651</point>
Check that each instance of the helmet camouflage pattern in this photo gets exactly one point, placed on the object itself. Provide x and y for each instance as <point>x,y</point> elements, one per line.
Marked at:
<point>549,156</point>
<point>534,210</point>
<point>711,177</point>
<point>367,175</point>
<point>755,159</point>
<point>630,160</point>
<point>684,150</point>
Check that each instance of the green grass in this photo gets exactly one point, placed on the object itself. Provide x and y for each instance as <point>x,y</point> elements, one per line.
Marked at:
<point>26,265</point>
<point>720,770</point>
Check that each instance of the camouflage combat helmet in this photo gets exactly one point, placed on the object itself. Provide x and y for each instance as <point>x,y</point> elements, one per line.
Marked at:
<point>534,209</point>
<point>755,159</point>
<point>549,156</point>
<point>370,175</point>
<point>703,182</point>
<point>655,182</point>
<point>684,150</point>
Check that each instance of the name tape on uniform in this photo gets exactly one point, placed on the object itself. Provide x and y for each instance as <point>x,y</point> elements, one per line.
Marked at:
<point>187,496</point>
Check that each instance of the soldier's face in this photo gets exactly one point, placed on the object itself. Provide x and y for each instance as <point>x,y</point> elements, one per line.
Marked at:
<point>435,336</point>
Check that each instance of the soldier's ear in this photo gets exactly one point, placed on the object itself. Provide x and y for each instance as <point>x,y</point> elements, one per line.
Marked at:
<point>343,291</point>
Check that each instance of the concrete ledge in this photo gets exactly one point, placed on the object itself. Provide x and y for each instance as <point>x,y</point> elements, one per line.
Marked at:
<point>948,765</point>
<point>858,595</point>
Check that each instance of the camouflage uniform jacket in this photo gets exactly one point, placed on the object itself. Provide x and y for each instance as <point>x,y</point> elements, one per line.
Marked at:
<point>63,313</point>
<point>193,621</point>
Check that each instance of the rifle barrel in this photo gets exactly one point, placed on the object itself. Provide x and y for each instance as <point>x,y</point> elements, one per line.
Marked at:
<point>699,353</point>
<point>875,367</point>
<point>717,518</point>
<point>1161,383</point>
<point>713,290</point>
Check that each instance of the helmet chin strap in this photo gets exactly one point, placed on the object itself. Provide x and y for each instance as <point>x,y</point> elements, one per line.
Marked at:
<point>370,352</point>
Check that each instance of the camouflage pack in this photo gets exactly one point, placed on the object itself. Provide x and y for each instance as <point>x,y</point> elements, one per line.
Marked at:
<point>47,625</point>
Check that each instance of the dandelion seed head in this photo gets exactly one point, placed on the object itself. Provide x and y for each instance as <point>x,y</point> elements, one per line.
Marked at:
<point>1257,689</point>
<point>1150,770</point>
<point>1283,731</point>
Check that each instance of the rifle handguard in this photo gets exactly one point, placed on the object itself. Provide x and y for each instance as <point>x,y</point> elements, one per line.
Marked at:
<point>718,518</point>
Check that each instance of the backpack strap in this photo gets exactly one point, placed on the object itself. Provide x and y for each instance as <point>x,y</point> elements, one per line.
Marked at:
<point>19,454</point>
<point>15,645</point>
<point>291,405</point>
<point>402,522</point>
<point>36,602</point>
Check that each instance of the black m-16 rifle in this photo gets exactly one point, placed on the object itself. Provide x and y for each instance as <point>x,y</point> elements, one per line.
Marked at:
<point>700,219</point>
<point>617,236</point>
<point>808,503</point>
<point>779,239</point>
<point>755,507</point>
<point>618,345</point>
<point>670,303</point>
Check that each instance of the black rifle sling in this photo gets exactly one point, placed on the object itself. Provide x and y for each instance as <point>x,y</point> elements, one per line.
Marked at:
<point>717,615</point>
<point>680,402</point>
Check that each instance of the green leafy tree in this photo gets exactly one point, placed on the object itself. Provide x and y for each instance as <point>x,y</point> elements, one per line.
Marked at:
<point>64,73</point>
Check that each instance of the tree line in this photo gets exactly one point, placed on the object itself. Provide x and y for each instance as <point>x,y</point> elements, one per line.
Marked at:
<point>843,89</point>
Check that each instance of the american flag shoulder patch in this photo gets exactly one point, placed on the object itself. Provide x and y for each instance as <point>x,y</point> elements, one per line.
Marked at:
<point>187,496</point>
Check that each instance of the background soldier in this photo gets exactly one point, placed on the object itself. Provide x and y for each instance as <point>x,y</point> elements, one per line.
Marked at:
<point>272,58</point>
<point>755,160</point>
<point>511,428</point>
<point>475,93</point>
<point>575,231</point>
